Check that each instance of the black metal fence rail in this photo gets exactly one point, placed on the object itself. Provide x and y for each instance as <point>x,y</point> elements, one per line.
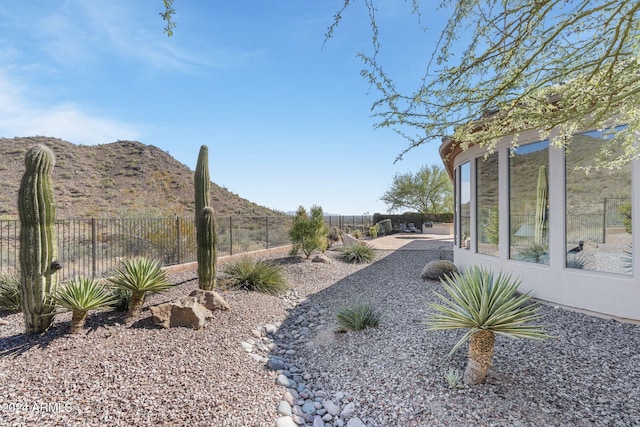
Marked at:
<point>95,246</point>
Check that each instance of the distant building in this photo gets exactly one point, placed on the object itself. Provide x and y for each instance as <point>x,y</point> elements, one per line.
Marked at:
<point>531,212</point>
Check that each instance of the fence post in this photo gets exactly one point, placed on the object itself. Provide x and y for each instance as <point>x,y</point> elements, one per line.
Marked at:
<point>266,222</point>
<point>604,221</point>
<point>230,235</point>
<point>93,247</point>
<point>178,239</point>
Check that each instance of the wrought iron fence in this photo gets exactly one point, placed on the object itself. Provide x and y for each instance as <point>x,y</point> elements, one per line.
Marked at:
<point>95,246</point>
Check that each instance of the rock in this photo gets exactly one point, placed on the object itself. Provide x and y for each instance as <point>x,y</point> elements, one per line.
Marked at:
<point>285,422</point>
<point>283,380</point>
<point>247,346</point>
<point>275,364</point>
<point>321,258</point>
<point>436,270</point>
<point>331,407</point>
<point>309,407</point>
<point>185,311</point>
<point>355,422</point>
<point>270,329</point>
<point>348,411</point>
<point>318,422</point>
<point>210,299</point>
<point>299,420</point>
<point>284,408</point>
<point>3,322</point>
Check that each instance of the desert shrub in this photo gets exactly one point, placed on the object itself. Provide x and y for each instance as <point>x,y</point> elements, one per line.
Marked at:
<point>533,253</point>
<point>357,317</point>
<point>625,211</point>
<point>10,291</point>
<point>333,236</point>
<point>80,295</point>
<point>373,231</point>
<point>436,270</point>
<point>308,231</point>
<point>358,253</point>
<point>357,233</point>
<point>255,275</point>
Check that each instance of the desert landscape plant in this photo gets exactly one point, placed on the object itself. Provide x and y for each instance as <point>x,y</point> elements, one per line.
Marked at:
<point>357,317</point>
<point>358,253</point>
<point>485,305</point>
<point>207,252</point>
<point>140,276</point>
<point>38,247</point>
<point>308,231</point>
<point>10,291</point>
<point>80,295</point>
<point>255,275</point>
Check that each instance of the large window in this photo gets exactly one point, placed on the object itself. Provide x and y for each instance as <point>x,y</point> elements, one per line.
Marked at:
<point>529,202</point>
<point>598,210</point>
<point>487,204</point>
<point>465,205</point>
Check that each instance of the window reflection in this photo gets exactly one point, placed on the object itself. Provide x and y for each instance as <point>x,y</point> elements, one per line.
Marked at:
<point>465,205</point>
<point>598,210</point>
<point>487,204</point>
<point>529,202</point>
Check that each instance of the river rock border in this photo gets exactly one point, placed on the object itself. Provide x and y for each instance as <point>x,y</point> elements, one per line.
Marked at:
<point>302,403</point>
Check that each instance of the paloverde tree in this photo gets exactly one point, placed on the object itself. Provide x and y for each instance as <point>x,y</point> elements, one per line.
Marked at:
<point>501,67</point>
<point>428,191</point>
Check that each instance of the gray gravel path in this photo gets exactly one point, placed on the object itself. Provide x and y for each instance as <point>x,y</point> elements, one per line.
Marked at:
<point>389,376</point>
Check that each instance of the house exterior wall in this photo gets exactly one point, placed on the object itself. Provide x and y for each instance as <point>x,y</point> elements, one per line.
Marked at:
<point>611,294</point>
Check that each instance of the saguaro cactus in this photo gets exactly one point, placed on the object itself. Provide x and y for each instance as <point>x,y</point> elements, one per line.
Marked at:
<point>541,206</point>
<point>205,224</point>
<point>201,181</point>
<point>38,248</point>
<point>207,256</point>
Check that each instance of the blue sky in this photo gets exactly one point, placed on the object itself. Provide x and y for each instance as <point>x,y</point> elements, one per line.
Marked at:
<point>287,121</point>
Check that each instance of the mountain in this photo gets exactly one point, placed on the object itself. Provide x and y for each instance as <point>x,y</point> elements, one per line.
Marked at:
<point>119,179</point>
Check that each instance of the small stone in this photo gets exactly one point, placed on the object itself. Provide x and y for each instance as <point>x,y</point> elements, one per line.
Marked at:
<point>299,420</point>
<point>258,358</point>
<point>321,259</point>
<point>275,364</point>
<point>327,417</point>
<point>331,407</point>
<point>250,341</point>
<point>247,347</point>
<point>256,333</point>
<point>270,329</point>
<point>309,407</point>
<point>289,398</point>
<point>318,422</point>
<point>283,380</point>
<point>348,411</point>
<point>355,422</point>
<point>321,411</point>
<point>284,408</point>
<point>285,422</point>
<point>290,351</point>
<point>339,395</point>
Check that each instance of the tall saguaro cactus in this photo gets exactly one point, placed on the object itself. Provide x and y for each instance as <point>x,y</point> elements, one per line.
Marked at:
<point>541,206</point>
<point>38,248</point>
<point>207,254</point>
<point>205,224</point>
<point>201,181</point>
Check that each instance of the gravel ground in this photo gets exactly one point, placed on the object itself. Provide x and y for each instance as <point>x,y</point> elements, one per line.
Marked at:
<point>393,375</point>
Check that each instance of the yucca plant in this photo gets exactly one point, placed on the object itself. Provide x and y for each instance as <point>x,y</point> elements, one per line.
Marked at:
<point>357,317</point>
<point>256,275</point>
<point>486,305</point>
<point>80,295</point>
<point>357,253</point>
<point>10,291</point>
<point>140,276</point>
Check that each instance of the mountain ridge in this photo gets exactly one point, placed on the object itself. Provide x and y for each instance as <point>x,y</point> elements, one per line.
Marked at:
<point>116,179</point>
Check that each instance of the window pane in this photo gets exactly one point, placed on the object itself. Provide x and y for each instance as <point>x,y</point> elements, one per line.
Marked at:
<point>598,210</point>
<point>529,202</point>
<point>465,205</point>
<point>487,204</point>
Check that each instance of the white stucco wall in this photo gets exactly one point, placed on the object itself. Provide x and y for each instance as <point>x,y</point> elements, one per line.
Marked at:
<point>611,294</point>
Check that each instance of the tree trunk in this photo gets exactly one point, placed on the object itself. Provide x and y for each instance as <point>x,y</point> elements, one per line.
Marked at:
<point>481,345</point>
<point>135,306</point>
<point>77,321</point>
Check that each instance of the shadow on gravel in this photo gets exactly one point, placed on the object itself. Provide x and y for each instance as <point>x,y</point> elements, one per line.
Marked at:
<point>18,344</point>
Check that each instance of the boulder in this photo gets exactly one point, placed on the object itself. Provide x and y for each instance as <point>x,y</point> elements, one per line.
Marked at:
<point>210,299</point>
<point>186,312</point>
<point>436,270</point>
<point>322,258</point>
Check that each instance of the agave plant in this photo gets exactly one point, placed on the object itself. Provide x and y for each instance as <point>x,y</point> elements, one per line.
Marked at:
<point>80,295</point>
<point>140,276</point>
<point>486,305</point>
<point>10,291</point>
<point>358,253</point>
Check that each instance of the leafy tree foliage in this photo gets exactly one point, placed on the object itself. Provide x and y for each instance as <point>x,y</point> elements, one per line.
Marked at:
<point>428,191</point>
<point>500,67</point>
